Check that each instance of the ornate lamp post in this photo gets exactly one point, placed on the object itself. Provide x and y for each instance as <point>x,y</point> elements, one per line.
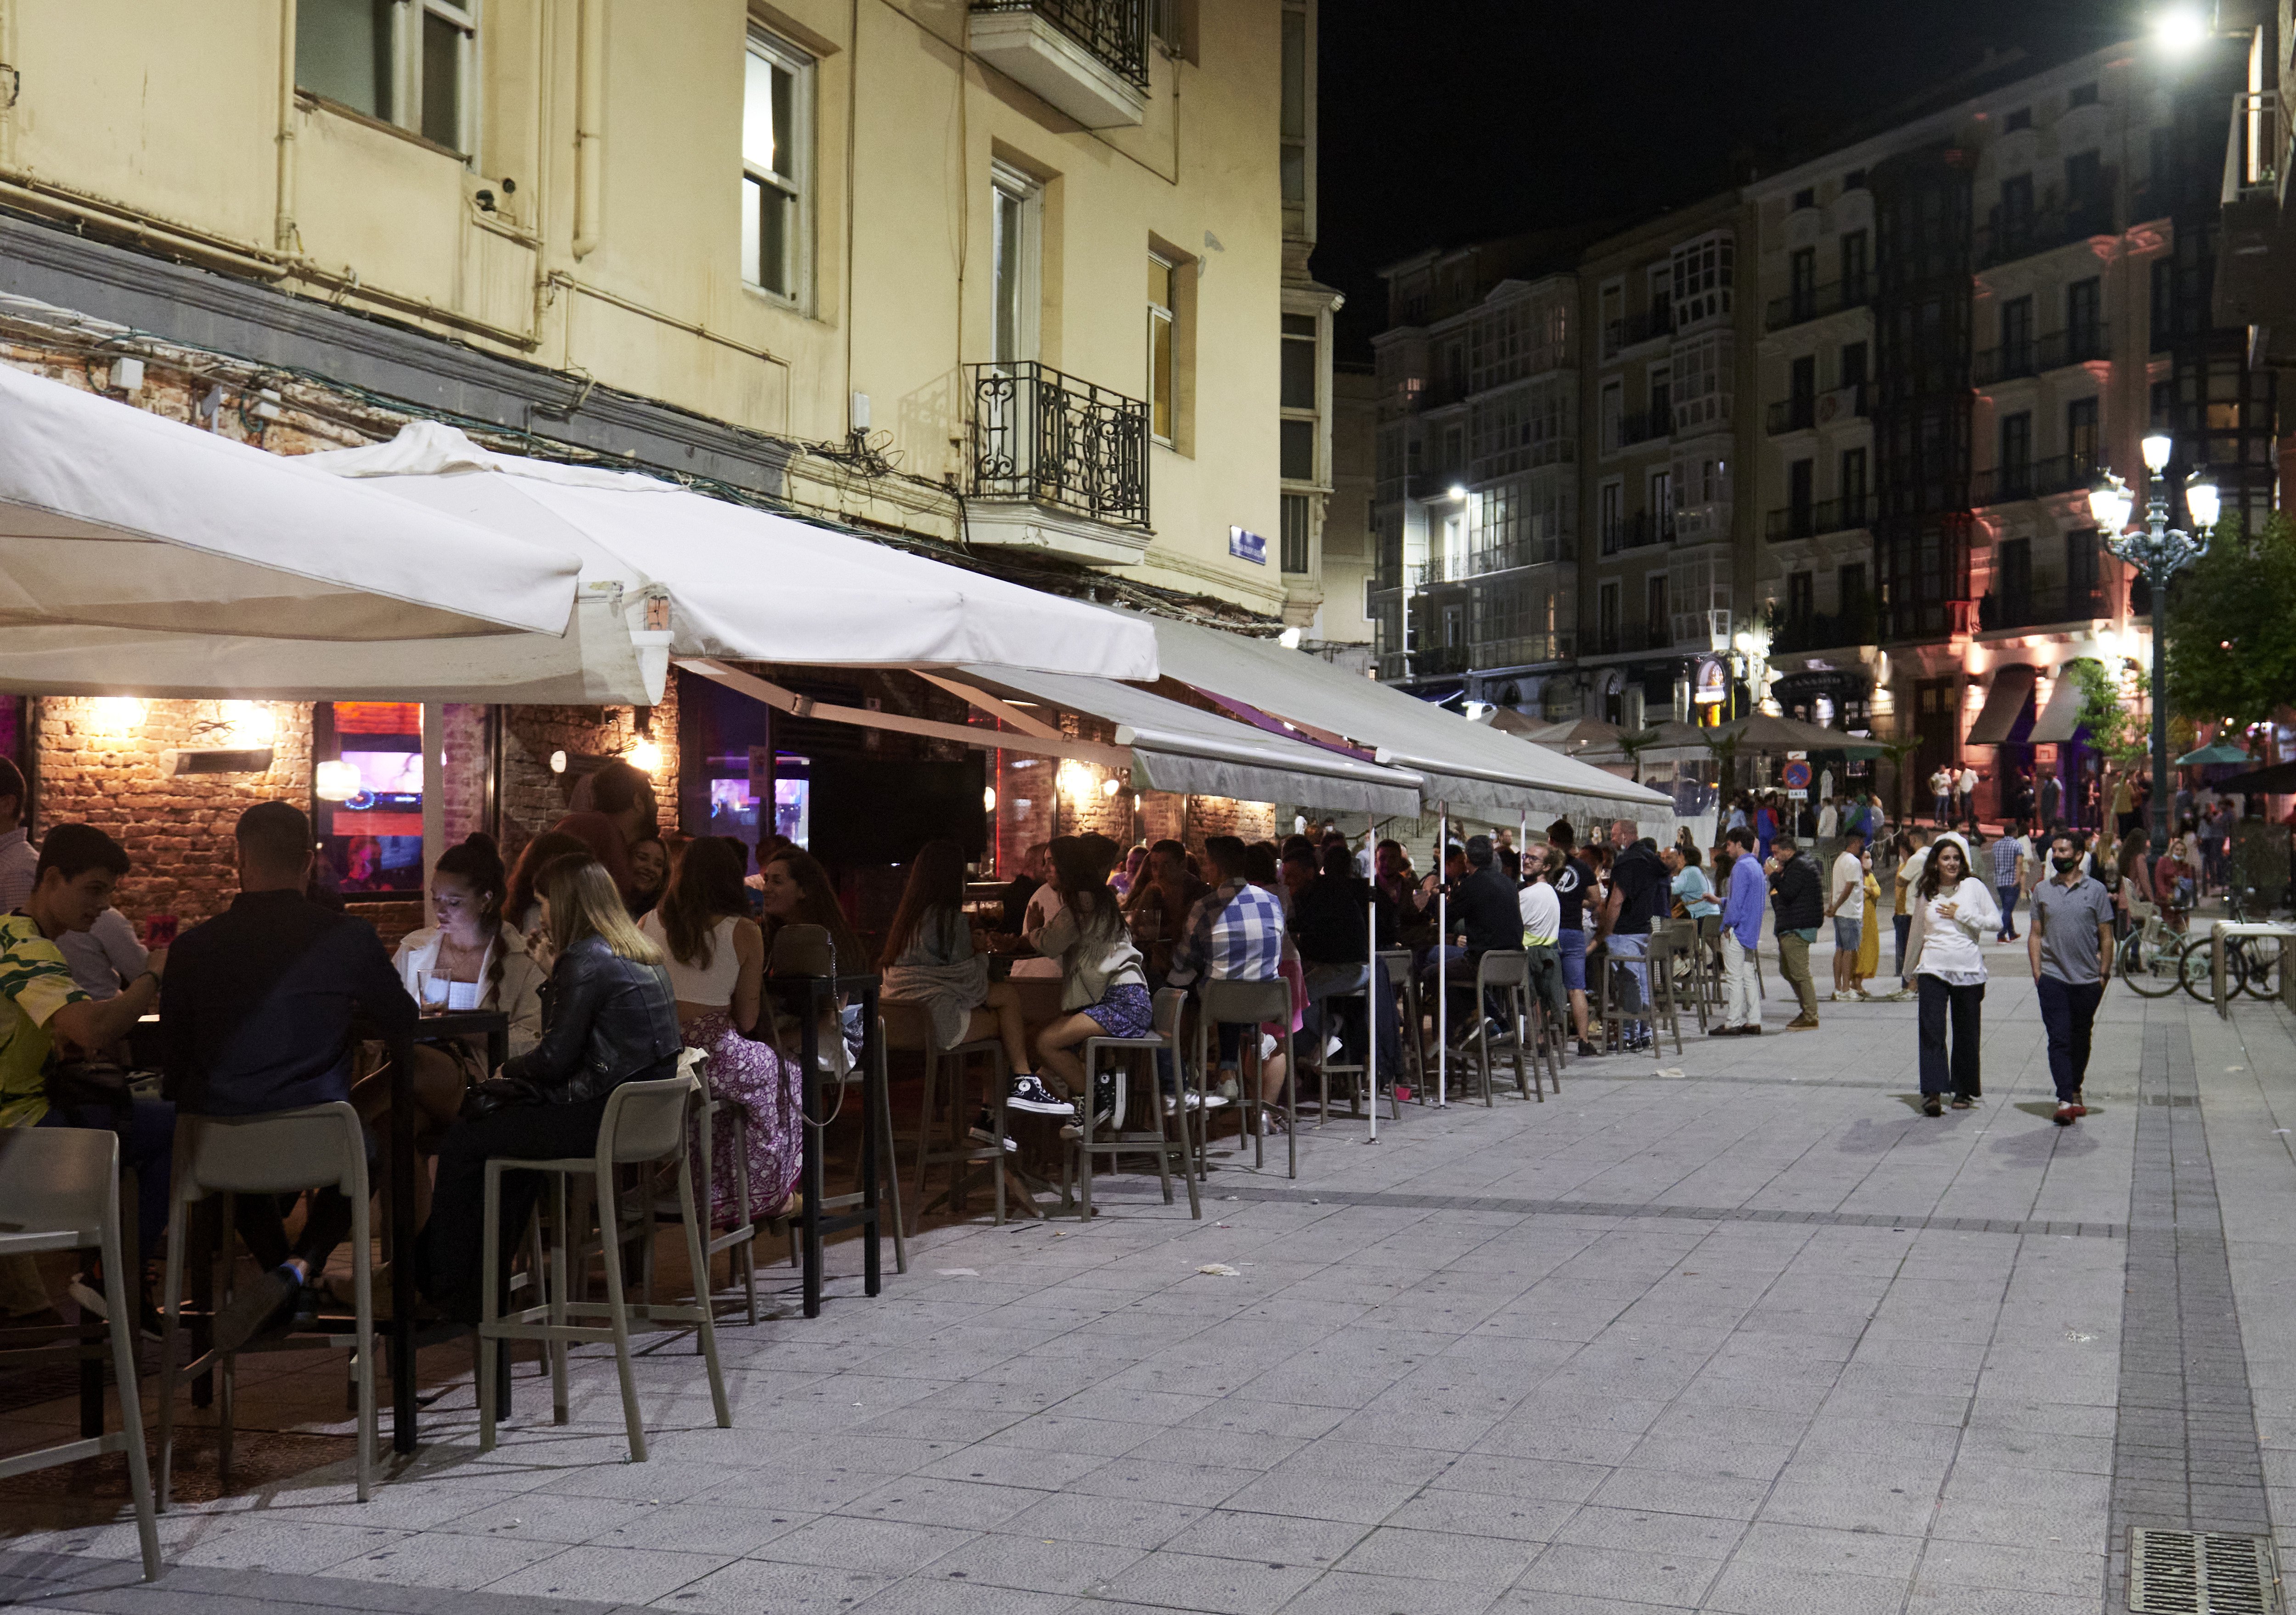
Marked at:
<point>2160,552</point>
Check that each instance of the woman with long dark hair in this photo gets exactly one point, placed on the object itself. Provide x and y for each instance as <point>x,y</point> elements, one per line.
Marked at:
<point>929,960</point>
<point>716,956</point>
<point>609,1017</point>
<point>1104,992</point>
<point>1953,909</point>
<point>794,889</point>
<point>519,899</point>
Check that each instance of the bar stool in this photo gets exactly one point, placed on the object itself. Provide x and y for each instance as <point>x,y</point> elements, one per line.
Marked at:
<point>909,1028</point>
<point>1508,972</point>
<point>1667,948</point>
<point>644,1124</point>
<point>59,1190</point>
<point>1396,977</point>
<point>1164,1039</point>
<point>1248,1004</point>
<point>319,1146</point>
<point>1326,1068</point>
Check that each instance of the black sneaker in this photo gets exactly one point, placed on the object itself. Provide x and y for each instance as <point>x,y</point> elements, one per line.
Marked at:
<point>984,1131</point>
<point>1029,1093</point>
<point>1587,1051</point>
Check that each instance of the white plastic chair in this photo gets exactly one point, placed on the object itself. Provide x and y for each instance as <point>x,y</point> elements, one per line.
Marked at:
<point>320,1146</point>
<point>644,1123</point>
<point>59,1190</point>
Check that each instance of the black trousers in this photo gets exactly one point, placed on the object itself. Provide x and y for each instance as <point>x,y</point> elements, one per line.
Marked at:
<point>451,1256</point>
<point>2069,1013</point>
<point>1966,1005</point>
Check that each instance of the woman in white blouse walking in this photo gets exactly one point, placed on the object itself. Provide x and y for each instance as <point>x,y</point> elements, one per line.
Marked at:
<point>1953,909</point>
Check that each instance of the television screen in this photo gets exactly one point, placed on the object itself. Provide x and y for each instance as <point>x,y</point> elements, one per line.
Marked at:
<point>865,811</point>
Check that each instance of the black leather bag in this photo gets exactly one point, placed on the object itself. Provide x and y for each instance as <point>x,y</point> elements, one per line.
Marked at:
<point>497,1094</point>
<point>73,1085</point>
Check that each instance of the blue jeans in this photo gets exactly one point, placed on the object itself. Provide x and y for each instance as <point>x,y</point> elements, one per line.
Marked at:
<point>1570,948</point>
<point>2008,907</point>
<point>2067,1012</point>
<point>1325,1018</point>
<point>147,1148</point>
<point>1631,951</point>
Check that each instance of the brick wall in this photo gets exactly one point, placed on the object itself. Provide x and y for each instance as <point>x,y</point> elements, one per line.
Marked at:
<point>98,768</point>
<point>533,797</point>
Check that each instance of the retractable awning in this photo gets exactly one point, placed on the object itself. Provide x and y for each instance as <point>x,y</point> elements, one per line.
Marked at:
<point>2061,716</point>
<point>1463,764</point>
<point>1179,748</point>
<point>2011,688</point>
<point>120,529</point>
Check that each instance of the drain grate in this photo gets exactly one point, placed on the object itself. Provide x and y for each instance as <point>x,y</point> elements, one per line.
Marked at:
<point>2201,1573</point>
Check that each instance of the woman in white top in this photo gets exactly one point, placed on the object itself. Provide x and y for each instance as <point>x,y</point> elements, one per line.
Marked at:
<point>1105,993</point>
<point>716,956</point>
<point>1953,909</point>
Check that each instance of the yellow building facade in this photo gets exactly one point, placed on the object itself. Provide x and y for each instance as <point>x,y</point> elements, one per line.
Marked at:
<point>1002,272</point>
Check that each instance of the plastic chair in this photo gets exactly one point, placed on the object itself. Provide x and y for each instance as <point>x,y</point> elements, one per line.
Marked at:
<point>907,1026</point>
<point>1161,1144</point>
<point>644,1123</point>
<point>740,1234</point>
<point>1326,1068</point>
<point>1665,949</point>
<point>319,1146</point>
<point>1508,973</point>
<point>1248,1004</point>
<point>59,1190</point>
<point>1396,977</point>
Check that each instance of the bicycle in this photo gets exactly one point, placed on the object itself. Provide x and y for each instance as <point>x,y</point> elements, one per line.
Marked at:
<point>2258,957</point>
<point>2155,961</point>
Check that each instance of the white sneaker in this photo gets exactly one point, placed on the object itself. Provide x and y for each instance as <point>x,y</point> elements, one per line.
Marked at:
<point>1230,1089</point>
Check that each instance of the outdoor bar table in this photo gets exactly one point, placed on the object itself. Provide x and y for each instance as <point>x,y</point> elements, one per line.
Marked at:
<point>493,1026</point>
<point>806,998</point>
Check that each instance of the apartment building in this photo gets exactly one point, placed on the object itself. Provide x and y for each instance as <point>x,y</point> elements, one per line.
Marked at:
<point>1344,625</point>
<point>1025,274</point>
<point>1666,396</point>
<point>1476,499</point>
<point>2256,266</point>
<point>1965,321</point>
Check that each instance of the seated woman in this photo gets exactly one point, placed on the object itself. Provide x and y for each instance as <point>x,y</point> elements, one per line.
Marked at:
<point>794,889</point>
<point>649,875</point>
<point>471,959</point>
<point>1105,993</point>
<point>609,1017</point>
<point>521,909</point>
<point>716,956</point>
<point>929,960</point>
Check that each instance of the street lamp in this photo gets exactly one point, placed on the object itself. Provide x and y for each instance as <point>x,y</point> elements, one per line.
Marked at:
<point>2160,552</point>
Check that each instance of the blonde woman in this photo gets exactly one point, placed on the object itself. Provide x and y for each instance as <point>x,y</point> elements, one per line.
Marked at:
<point>609,1017</point>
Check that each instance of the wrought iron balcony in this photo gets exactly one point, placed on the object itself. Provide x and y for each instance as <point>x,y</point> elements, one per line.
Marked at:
<point>1646,424</point>
<point>1653,322</point>
<point>2033,479</point>
<point>1820,516</point>
<point>1638,531</point>
<point>1858,624</point>
<point>2009,234</point>
<point>2039,356</point>
<point>1630,638</point>
<point>1089,58</point>
<point>2002,611</point>
<point>1053,440</point>
<point>1802,412</point>
<point>1807,303</point>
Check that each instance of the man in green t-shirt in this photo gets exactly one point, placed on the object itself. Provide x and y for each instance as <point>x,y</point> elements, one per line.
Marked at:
<point>47,1014</point>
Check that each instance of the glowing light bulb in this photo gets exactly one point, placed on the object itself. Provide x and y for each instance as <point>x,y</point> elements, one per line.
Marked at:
<point>2157,445</point>
<point>989,799</point>
<point>2205,504</point>
<point>1110,785</point>
<point>334,781</point>
<point>647,756</point>
<point>118,714</point>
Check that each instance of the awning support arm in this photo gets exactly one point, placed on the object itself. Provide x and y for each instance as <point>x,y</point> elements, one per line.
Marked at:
<point>1003,710</point>
<point>986,739</point>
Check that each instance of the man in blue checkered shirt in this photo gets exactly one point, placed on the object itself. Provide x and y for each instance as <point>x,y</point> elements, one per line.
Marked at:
<point>2011,856</point>
<point>1235,934</point>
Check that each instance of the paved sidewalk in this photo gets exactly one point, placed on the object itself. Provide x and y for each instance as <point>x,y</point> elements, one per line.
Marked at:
<point>1758,1338</point>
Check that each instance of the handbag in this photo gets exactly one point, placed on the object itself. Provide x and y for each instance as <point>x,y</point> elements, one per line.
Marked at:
<point>89,1080</point>
<point>497,1094</point>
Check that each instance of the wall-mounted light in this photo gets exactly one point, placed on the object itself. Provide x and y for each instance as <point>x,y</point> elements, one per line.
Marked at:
<point>646,754</point>
<point>335,781</point>
<point>557,762</point>
<point>1109,786</point>
<point>989,799</point>
<point>251,723</point>
<point>118,714</point>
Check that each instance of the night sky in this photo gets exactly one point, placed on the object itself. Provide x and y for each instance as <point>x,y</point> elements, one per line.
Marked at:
<point>1447,121</point>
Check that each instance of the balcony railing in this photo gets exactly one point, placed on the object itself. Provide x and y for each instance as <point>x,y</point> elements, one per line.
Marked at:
<point>2008,236</point>
<point>1802,413</point>
<point>1810,302</point>
<point>1638,531</point>
<point>2254,152</point>
<point>1643,425</point>
<point>1052,439</point>
<point>1627,639</point>
<point>2076,346</point>
<point>1998,611</point>
<point>1820,516</point>
<point>1648,325</point>
<point>1115,31</point>
<point>2037,480</point>
<point>1525,650</point>
<point>1858,625</point>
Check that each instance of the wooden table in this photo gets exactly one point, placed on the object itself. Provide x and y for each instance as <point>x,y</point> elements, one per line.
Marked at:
<point>493,1026</point>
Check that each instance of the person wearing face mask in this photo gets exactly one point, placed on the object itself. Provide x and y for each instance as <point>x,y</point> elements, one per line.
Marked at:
<point>2069,944</point>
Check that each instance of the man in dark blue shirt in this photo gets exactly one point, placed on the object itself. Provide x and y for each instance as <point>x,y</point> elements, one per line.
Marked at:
<point>257,1015</point>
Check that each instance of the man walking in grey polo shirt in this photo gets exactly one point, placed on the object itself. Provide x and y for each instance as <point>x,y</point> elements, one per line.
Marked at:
<point>2069,942</point>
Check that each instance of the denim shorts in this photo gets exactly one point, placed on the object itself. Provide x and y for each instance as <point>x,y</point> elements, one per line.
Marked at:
<point>1571,945</point>
<point>1845,934</point>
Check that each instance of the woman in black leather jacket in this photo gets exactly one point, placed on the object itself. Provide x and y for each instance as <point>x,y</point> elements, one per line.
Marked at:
<point>608,1017</point>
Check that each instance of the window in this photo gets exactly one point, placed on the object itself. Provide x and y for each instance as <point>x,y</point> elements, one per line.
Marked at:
<point>1016,254</point>
<point>1161,377</point>
<point>1296,452</point>
<point>1806,197</point>
<point>349,52</point>
<point>2081,442</point>
<point>2014,575</point>
<point>1853,365</point>
<point>2017,454</point>
<point>1654,614</point>
<point>1802,383</point>
<point>1454,622</point>
<point>1606,609</point>
<point>2083,94</point>
<point>1293,122</point>
<point>1854,258</point>
<point>2081,560</point>
<point>1297,519</point>
<point>2083,326</point>
<point>1615,416</point>
<point>1661,489</point>
<point>776,142</point>
<point>2083,179</point>
<point>1661,399</point>
<point>1609,515</point>
<point>2017,203</point>
<point>1852,486</point>
<point>2017,335</point>
<point>1801,491</point>
<point>1855,180</point>
<point>1801,596</point>
<point>1801,281</point>
<point>1299,381</point>
<point>1849,588</point>
<point>2021,118</point>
